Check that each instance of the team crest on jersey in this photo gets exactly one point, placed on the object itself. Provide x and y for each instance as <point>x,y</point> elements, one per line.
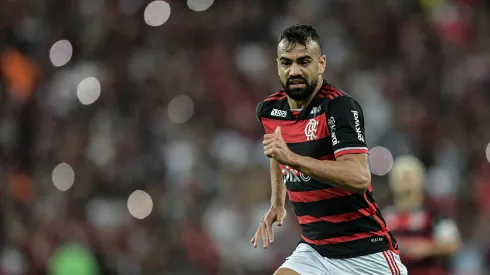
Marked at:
<point>311,128</point>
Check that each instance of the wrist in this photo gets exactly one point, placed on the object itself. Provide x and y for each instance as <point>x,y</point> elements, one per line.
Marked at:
<point>294,161</point>
<point>277,204</point>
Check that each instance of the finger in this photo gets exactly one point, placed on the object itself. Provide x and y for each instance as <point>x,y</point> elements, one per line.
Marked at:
<point>263,231</point>
<point>269,136</point>
<point>278,131</point>
<point>269,153</point>
<point>269,146</point>
<point>268,141</point>
<point>270,232</point>
<point>256,238</point>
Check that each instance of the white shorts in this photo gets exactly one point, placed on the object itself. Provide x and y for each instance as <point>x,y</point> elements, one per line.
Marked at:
<point>307,261</point>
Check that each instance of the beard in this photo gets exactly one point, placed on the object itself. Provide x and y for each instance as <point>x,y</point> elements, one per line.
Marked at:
<point>300,93</point>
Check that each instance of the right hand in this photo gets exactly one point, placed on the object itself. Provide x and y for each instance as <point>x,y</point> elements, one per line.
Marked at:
<point>275,214</point>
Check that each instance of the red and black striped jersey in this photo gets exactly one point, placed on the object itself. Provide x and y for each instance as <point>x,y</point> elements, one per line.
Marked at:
<point>335,222</point>
<point>410,227</point>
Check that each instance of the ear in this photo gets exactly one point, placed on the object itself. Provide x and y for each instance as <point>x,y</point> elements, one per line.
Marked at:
<point>277,66</point>
<point>323,64</point>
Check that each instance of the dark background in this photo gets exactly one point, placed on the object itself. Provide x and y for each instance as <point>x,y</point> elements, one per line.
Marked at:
<point>176,118</point>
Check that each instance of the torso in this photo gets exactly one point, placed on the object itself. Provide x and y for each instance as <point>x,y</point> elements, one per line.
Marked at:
<point>336,222</point>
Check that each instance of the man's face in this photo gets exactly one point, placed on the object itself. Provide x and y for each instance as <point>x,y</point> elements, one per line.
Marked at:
<point>408,185</point>
<point>299,68</point>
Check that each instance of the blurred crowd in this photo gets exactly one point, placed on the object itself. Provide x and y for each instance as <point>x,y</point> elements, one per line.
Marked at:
<point>176,119</point>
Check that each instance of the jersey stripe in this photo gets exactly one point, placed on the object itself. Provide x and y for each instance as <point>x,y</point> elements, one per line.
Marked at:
<point>351,150</point>
<point>381,223</point>
<point>301,130</point>
<point>343,238</point>
<point>276,96</point>
<point>279,97</point>
<point>318,195</point>
<point>344,217</point>
<point>323,230</point>
<point>327,157</point>
<point>312,185</point>
<point>333,206</point>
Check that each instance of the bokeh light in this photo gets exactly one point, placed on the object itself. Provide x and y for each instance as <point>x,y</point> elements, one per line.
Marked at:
<point>380,160</point>
<point>61,53</point>
<point>157,13</point>
<point>199,5</point>
<point>63,176</point>
<point>487,152</point>
<point>88,91</point>
<point>180,109</point>
<point>140,204</point>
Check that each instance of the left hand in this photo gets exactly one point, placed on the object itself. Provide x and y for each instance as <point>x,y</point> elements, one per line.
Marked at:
<point>275,147</point>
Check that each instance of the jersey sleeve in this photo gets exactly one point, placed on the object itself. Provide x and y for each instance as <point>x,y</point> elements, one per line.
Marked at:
<point>258,114</point>
<point>346,125</point>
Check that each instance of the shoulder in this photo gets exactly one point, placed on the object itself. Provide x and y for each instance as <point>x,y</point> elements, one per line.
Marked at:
<point>270,103</point>
<point>336,98</point>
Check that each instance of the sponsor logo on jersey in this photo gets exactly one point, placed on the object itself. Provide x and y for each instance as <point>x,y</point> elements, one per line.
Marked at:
<point>315,110</point>
<point>278,113</point>
<point>293,175</point>
<point>360,137</point>
<point>311,128</point>
<point>331,124</point>
<point>377,239</point>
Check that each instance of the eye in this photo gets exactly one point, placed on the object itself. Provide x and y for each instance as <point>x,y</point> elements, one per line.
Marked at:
<point>305,62</point>
<point>285,62</point>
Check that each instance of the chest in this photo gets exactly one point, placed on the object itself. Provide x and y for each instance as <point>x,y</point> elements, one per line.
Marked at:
<point>308,137</point>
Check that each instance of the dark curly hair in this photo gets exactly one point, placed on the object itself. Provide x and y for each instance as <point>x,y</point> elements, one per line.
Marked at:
<point>299,34</point>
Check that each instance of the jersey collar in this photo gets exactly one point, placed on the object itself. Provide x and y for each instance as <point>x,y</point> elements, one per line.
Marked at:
<point>305,112</point>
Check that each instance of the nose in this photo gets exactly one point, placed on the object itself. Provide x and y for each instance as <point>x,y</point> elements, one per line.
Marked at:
<point>294,70</point>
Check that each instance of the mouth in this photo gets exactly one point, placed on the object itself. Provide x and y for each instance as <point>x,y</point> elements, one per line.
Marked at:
<point>297,83</point>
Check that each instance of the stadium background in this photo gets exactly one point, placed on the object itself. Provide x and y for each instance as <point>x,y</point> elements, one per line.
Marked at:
<point>100,98</point>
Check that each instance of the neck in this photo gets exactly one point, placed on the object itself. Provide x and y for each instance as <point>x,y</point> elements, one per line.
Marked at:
<point>300,104</point>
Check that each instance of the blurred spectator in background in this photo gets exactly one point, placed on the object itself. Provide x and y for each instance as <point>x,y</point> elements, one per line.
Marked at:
<point>100,98</point>
<point>427,240</point>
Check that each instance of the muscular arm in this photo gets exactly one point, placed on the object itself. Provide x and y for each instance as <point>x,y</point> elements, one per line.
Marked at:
<point>278,194</point>
<point>349,171</point>
<point>278,189</point>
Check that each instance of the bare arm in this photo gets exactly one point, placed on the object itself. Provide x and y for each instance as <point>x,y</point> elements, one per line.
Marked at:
<point>349,171</point>
<point>278,194</point>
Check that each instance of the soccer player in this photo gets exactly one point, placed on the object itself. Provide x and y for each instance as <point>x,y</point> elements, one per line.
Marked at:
<point>426,238</point>
<point>318,155</point>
